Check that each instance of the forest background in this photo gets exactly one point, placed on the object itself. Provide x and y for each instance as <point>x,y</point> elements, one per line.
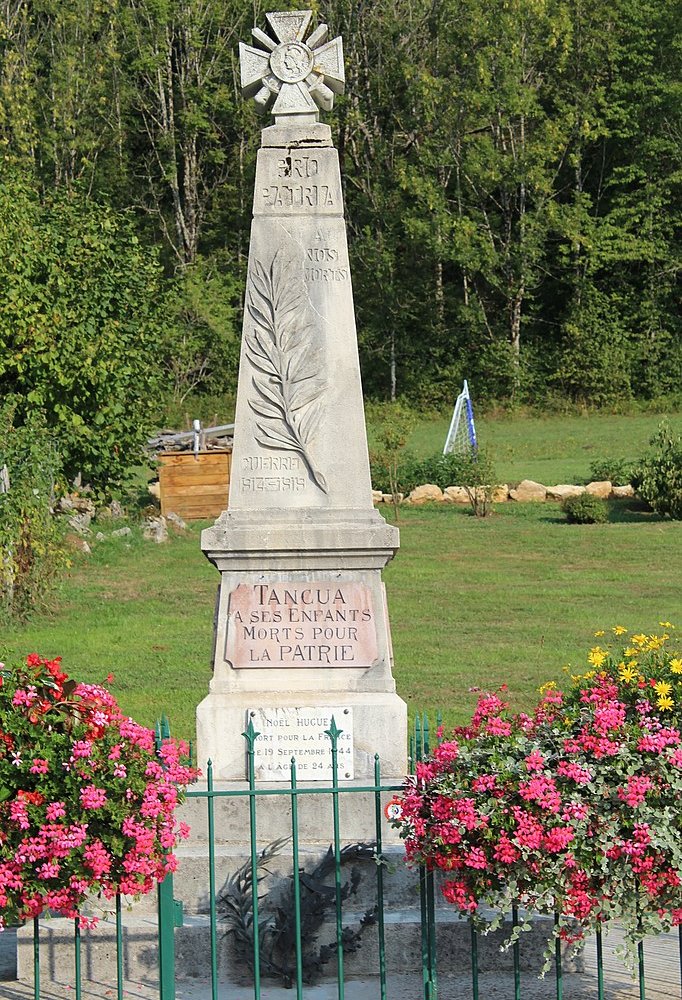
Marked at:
<point>512,174</point>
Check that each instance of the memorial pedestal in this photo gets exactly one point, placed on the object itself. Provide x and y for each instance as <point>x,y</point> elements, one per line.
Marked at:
<point>301,619</point>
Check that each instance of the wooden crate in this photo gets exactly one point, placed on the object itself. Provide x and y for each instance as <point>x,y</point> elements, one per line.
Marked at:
<point>194,486</point>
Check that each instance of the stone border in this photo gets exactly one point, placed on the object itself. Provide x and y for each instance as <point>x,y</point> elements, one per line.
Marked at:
<point>527,491</point>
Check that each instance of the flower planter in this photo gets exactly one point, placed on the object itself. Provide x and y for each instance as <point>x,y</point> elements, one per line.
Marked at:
<point>194,486</point>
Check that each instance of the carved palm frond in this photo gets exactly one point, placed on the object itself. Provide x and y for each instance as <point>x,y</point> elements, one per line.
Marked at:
<point>286,381</point>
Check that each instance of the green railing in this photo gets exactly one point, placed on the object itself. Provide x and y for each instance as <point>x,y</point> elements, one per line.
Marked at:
<point>294,793</point>
<point>169,910</point>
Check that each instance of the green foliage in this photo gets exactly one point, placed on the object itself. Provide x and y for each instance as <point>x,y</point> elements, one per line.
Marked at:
<point>200,342</point>
<point>31,550</point>
<point>391,427</point>
<point>441,470</point>
<point>80,301</point>
<point>659,476</point>
<point>585,509</point>
<point>512,180</point>
<point>618,471</point>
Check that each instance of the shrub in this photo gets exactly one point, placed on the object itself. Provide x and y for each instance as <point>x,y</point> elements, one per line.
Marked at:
<point>442,470</point>
<point>87,797</point>
<point>659,477</point>
<point>393,423</point>
<point>572,809</point>
<point>30,537</point>
<point>618,471</point>
<point>585,509</point>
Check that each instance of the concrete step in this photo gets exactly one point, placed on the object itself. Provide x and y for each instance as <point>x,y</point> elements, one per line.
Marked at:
<point>273,815</point>
<point>140,948</point>
<point>492,986</point>
<point>191,880</point>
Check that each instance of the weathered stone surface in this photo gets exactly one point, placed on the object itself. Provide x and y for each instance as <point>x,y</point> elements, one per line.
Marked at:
<point>388,497</point>
<point>500,493</point>
<point>528,490</point>
<point>601,489</point>
<point>426,494</point>
<point>155,489</point>
<point>100,536</point>
<point>83,505</point>
<point>80,523</point>
<point>301,503</point>
<point>564,490</point>
<point>175,521</point>
<point>155,530</point>
<point>78,543</point>
<point>623,492</point>
<point>455,494</point>
<point>377,496</point>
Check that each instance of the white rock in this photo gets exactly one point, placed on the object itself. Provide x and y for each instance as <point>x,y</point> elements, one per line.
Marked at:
<point>388,497</point>
<point>155,489</point>
<point>528,490</point>
<point>121,532</point>
<point>500,493</point>
<point>564,490</point>
<point>155,530</point>
<point>455,494</point>
<point>176,521</point>
<point>601,489</point>
<point>80,523</point>
<point>425,494</point>
<point>377,496</point>
<point>622,492</point>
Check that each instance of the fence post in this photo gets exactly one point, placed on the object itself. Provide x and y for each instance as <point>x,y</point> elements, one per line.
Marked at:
<point>169,912</point>
<point>166,939</point>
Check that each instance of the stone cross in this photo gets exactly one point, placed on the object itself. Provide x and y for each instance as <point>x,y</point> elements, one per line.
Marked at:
<point>289,76</point>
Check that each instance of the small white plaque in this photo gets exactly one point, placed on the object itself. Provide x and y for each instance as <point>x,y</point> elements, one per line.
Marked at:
<point>300,733</point>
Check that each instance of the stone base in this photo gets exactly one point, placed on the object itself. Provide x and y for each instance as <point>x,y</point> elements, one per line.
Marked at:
<point>379,725</point>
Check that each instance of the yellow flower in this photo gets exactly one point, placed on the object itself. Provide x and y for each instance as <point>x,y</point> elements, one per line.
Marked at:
<point>666,625</point>
<point>627,674</point>
<point>619,630</point>
<point>640,639</point>
<point>589,675</point>
<point>676,666</point>
<point>655,642</point>
<point>631,651</point>
<point>597,656</point>
<point>599,632</point>
<point>665,703</point>
<point>662,688</point>
<point>549,686</point>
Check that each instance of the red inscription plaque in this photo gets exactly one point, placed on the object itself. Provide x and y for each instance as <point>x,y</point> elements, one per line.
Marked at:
<point>301,624</point>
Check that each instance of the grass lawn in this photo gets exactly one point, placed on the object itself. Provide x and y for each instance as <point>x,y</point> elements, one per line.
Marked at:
<point>550,449</point>
<point>510,599</point>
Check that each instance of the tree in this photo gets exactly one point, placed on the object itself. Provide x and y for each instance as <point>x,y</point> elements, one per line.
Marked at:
<point>80,306</point>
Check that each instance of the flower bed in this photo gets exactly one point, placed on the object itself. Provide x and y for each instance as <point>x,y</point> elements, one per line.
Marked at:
<point>573,809</point>
<point>87,798</point>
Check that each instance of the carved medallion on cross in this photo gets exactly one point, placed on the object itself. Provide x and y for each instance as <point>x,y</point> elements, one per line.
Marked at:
<point>288,76</point>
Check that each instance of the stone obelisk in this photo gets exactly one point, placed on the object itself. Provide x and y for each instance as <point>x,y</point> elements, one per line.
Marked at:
<point>301,618</point>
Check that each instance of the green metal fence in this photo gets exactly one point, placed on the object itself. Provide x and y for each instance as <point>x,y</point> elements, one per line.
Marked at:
<point>170,915</point>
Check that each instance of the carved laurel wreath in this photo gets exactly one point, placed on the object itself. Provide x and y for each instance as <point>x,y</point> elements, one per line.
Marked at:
<point>285,360</point>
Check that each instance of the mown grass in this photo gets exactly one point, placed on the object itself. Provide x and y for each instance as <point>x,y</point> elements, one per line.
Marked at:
<point>550,449</point>
<point>474,603</point>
